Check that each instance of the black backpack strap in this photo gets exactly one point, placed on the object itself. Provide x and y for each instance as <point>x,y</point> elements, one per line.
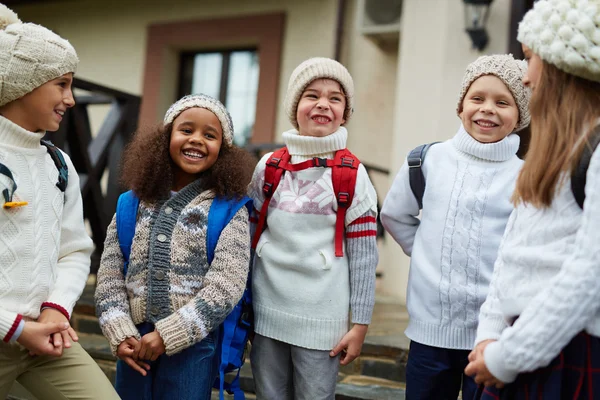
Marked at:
<point>415,160</point>
<point>579,175</point>
<point>61,164</point>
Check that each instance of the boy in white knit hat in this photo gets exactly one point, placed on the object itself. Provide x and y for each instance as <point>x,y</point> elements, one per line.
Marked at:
<point>315,242</point>
<point>44,247</point>
<point>466,185</point>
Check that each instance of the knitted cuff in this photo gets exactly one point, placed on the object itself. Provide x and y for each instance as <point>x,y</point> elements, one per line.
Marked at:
<point>57,307</point>
<point>13,328</point>
<point>173,334</point>
<point>118,330</point>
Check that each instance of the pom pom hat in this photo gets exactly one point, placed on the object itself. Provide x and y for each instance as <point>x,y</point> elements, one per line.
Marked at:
<point>566,34</point>
<point>30,55</point>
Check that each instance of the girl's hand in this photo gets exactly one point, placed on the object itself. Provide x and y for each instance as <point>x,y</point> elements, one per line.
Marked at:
<point>479,370</point>
<point>125,352</point>
<point>351,344</point>
<point>59,339</point>
<point>150,347</point>
<point>37,337</point>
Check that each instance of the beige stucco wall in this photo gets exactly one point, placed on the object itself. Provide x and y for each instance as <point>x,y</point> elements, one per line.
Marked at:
<point>434,51</point>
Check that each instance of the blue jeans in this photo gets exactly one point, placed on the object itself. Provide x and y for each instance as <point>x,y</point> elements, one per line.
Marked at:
<point>187,375</point>
<point>434,373</point>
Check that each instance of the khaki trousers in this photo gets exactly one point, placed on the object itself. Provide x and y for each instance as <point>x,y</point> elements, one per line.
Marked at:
<point>74,375</point>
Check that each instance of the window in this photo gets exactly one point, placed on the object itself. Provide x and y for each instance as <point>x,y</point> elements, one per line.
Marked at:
<point>230,76</point>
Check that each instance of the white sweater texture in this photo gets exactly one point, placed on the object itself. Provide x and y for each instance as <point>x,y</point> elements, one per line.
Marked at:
<point>44,247</point>
<point>453,243</point>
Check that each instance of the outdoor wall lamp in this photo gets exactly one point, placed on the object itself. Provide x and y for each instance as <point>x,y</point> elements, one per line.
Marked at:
<point>476,15</point>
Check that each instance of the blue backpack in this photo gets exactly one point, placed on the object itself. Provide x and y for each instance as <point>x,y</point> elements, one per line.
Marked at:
<point>236,328</point>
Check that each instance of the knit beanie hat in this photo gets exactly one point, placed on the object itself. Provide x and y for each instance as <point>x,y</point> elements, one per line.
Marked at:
<point>203,101</point>
<point>313,69</point>
<point>30,55</point>
<point>509,71</point>
<point>566,34</point>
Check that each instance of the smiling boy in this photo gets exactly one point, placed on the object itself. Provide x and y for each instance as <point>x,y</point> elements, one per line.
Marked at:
<point>453,245</point>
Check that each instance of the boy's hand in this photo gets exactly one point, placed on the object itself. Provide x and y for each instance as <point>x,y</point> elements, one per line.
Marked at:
<point>125,352</point>
<point>479,370</point>
<point>150,347</point>
<point>351,344</point>
<point>59,338</point>
<point>37,337</point>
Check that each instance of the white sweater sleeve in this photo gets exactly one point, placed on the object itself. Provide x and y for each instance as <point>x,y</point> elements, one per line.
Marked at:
<point>564,307</point>
<point>73,265</point>
<point>491,320</point>
<point>400,210</point>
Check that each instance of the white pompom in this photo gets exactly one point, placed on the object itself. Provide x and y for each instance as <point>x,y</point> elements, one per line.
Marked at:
<point>7,16</point>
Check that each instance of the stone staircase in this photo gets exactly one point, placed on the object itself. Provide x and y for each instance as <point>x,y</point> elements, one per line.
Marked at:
<point>378,374</point>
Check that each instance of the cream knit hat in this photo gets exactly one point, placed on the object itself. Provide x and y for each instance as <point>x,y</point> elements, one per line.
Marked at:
<point>30,55</point>
<point>565,33</point>
<point>203,101</point>
<point>310,70</point>
<point>509,71</point>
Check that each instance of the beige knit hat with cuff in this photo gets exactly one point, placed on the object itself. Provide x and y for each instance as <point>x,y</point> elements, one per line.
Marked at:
<point>509,71</point>
<point>566,34</point>
<point>30,55</point>
<point>313,69</point>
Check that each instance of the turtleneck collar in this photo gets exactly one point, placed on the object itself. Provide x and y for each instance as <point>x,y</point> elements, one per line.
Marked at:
<point>12,134</point>
<point>302,148</point>
<point>499,151</point>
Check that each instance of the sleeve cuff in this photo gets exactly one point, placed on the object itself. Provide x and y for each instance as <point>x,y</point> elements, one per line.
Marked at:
<point>18,331</point>
<point>57,307</point>
<point>494,361</point>
<point>489,329</point>
<point>13,329</point>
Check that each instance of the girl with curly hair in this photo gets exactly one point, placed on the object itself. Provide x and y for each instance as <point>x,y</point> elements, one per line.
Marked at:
<point>162,318</point>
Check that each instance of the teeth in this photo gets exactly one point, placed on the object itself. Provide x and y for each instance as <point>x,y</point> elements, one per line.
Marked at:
<point>321,119</point>
<point>193,154</point>
<point>485,124</point>
<point>61,113</point>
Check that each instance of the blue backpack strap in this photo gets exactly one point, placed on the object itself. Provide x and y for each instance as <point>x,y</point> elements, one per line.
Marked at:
<point>415,161</point>
<point>221,212</point>
<point>127,207</point>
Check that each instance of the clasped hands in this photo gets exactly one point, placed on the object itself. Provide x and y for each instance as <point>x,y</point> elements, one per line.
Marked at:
<point>477,368</point>
<point>136,353</point>
<point>49,335</point>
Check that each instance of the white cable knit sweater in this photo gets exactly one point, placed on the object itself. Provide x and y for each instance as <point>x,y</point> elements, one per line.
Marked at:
<point>44,248</point>
<point>454,243</point>
<point>547,274</point>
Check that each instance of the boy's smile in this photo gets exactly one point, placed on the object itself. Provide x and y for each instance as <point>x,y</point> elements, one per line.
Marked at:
<point>196,139</point>
<point>321,108</point>
<point>489,112</point>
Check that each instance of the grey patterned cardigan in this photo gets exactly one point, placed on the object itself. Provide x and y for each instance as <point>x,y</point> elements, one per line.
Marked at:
<point>169,281</point>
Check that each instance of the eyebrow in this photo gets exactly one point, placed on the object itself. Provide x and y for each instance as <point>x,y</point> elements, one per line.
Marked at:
<point>192,123</point>
<point>334,92</point>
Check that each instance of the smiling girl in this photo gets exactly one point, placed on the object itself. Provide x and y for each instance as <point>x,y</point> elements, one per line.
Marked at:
<point>453,245</point>
<point>162,318</point>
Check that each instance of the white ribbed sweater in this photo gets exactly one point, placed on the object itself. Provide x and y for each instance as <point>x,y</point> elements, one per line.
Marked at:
<point>548,274</point>
<point>44,248</point>
<point>454,243</point>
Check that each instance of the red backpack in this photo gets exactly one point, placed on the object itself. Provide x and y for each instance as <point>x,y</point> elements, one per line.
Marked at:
<point>343,175</point>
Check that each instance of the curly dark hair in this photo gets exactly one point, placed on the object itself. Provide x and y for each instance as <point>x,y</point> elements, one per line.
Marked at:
<point>147,168</point>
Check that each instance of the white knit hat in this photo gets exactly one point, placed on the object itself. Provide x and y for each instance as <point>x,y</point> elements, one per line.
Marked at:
<point>203,101</point>
<point>566,34</point>
<point>509,71</point>
<point>30,55</point>
<point>310,70</point>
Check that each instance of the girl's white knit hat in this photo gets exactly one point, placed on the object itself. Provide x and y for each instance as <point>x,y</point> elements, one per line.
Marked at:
<point>566,34</point>
<point>203,101</point>
<point>509,71</point>
<point>30,55</point>
<point>310,70</point>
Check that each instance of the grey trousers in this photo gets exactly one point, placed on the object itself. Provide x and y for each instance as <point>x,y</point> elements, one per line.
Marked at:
<point>286,372</point>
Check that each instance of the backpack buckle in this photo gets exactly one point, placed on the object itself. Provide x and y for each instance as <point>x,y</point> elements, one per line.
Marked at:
<point>343,198</point>
<point>347,162</point>
<point>274,162</point>
<point>415,162</point>
<point>268,189</point>
<point>320,162</point>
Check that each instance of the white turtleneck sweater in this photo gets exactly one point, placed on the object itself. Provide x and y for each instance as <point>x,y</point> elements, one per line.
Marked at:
<point>44,247</point>
<point>454,243</point>
<point>548,275</point>
<point>301,291</point>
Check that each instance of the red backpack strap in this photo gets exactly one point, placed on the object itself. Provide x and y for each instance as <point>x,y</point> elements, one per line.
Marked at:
<point>273,172</point>
<point>343,177</point>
